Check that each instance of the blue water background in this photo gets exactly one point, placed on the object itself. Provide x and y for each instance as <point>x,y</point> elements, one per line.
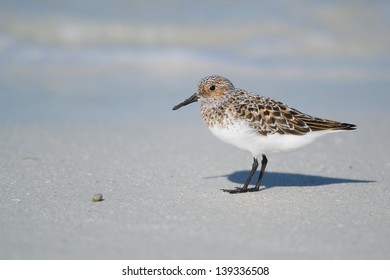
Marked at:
<point>110,61</point>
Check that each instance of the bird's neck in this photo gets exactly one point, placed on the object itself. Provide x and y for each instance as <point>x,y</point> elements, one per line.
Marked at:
<point>213,110</point>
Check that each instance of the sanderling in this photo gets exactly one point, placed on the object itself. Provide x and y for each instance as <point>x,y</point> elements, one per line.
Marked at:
<point>256,124</point>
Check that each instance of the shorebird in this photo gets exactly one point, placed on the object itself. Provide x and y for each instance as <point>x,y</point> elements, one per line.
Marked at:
<point>256,123</point>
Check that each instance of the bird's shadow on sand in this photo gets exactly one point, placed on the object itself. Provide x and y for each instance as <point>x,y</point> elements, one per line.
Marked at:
<point>279,179</point>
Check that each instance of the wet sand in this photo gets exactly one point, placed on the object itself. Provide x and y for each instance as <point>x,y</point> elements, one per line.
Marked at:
<point>161,183</point>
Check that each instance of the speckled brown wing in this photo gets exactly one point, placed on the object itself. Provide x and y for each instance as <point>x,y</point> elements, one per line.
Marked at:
<point>268,116</point>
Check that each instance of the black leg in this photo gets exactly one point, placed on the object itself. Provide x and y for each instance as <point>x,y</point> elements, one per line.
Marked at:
<point>248,180</point>
<point>263,166</point>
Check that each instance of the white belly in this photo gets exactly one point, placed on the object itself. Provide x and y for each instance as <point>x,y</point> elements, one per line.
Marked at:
<point>245,138</point>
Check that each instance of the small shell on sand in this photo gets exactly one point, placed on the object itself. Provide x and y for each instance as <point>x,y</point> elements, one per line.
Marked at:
<point>97,197</point>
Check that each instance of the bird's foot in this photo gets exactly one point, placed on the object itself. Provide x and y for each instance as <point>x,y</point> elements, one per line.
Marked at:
<point>241,190</point>
<point>237,190</point>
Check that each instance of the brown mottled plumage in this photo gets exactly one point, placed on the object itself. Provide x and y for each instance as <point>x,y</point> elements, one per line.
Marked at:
<point>265,115</point>
<point>256,123</point>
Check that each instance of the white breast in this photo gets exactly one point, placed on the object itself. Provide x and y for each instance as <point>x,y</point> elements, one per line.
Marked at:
<point>246,138</point>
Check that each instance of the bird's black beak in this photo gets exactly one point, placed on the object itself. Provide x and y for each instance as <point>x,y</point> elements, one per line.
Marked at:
<point>189,100</point>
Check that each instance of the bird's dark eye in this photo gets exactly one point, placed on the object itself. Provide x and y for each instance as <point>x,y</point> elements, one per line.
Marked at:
<point>212,88</point>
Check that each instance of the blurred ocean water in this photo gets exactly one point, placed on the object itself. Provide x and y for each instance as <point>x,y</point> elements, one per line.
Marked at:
<point>92,59</point>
